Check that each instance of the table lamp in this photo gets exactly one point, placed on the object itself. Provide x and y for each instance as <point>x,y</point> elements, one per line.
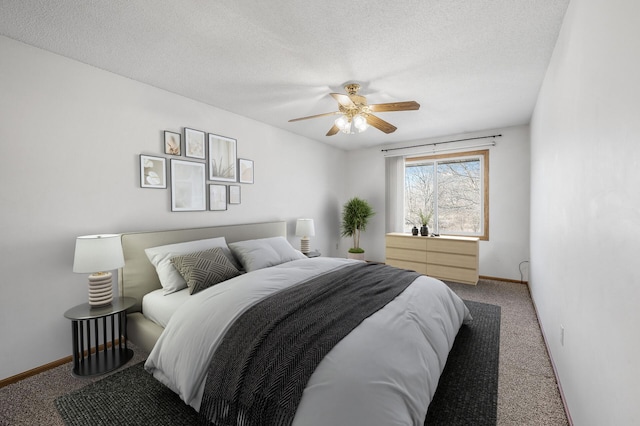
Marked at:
<point>305,229</point>
<point>98,254</point>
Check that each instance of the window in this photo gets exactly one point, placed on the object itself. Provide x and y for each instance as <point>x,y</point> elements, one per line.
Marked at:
<point>450,191</point>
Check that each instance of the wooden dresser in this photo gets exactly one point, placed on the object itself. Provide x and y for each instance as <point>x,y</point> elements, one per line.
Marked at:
<point>445,258</point>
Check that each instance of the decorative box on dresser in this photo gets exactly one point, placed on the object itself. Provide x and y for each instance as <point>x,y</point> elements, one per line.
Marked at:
<point>446,257</point>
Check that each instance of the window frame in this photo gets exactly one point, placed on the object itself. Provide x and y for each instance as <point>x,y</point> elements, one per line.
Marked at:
<point>484,155</point>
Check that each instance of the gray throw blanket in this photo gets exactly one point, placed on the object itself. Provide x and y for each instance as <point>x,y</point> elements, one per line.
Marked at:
<point>259,371</point>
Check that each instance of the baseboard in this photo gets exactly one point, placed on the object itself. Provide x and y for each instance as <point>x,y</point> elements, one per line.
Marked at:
<point>506,280</point>
<point>41,369</point>
<point>553,364</point>
<point>21,376</point>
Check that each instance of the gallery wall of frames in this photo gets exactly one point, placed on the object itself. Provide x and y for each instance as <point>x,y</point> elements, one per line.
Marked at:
<point>203,173</point>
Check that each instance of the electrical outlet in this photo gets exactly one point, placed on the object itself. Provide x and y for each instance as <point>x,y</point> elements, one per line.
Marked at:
<point>561,334</point>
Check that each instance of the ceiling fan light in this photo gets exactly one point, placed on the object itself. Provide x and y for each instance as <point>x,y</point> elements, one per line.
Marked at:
<point>360,123</point>
<point>342,122</point>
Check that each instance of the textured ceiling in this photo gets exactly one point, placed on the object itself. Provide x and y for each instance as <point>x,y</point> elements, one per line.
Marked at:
<point>471,64</point>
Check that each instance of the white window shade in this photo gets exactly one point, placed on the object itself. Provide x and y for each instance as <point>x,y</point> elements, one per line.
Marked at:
<point>394,193</point>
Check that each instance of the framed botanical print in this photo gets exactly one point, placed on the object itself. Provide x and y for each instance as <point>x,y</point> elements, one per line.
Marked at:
<point>153,172</point>
<point>246,170</point>
<point>194,143</point>
<point>222,158</point>
<point>188,190</point>
<point>234,194</point>
<point>172,143</point>
<point>217,197</point>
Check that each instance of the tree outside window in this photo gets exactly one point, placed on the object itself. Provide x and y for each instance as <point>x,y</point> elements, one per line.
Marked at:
<point>450,192</point>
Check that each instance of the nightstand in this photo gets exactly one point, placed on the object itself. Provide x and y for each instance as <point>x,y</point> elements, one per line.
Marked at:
<point>94,326</point>
<point>314,253</point>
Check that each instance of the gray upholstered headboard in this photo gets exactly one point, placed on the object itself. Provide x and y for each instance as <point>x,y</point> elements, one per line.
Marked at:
<point>138,276</point>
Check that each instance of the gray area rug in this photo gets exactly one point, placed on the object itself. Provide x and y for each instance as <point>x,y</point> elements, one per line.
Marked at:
<point>466,394</point>
<point>129,397</point>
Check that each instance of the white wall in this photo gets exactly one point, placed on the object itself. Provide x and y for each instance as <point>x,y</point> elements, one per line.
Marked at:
<point>508,243</point>
<point>585,210</point>
<point>70,136</point>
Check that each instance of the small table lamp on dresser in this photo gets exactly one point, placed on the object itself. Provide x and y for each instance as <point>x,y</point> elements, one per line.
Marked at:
<point>305,229</point>
<point>97,255</point>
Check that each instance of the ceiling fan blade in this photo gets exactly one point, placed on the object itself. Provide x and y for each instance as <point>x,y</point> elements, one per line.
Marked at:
<point>332,131</point>
<point>314,116</point>
<point>380,124</point>
<point>395,106</point>
<point>343,100</point>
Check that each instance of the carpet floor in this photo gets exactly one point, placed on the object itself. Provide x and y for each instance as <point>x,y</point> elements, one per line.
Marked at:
<point>527,389</point>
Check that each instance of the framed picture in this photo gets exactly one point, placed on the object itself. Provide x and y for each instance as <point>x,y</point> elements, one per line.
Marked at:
<point>217,197</point>
<point>172,143</point>
<point>246,170</point>
<point>194,143</point>
<point>234,194</point>
<point>153,172</point>
<point>188,190</point>
<point>222,158</point>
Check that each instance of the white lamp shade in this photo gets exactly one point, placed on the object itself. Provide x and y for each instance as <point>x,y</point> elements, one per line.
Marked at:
<point>305,228</point>
<point>98,253</point>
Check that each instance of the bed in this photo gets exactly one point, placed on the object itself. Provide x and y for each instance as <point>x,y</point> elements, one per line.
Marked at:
<point>383,370</point>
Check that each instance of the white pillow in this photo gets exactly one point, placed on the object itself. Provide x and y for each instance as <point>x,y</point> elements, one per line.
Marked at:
<point>160,257</point>
<point>264,252</point>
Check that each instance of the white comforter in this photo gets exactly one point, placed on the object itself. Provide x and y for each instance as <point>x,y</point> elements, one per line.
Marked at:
<point>384,372</point>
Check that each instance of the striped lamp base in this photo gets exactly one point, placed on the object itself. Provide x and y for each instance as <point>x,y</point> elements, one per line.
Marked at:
<point>100,289</point>
<point>304,245</point>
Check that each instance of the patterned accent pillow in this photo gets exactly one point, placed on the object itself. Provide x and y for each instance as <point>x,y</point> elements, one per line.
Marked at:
<point>204,269</point>
<point>160,258</point>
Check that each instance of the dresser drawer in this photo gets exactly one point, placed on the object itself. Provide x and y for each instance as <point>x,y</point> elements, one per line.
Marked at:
<point>406,254</point>
<point>449,273</point>
<point>413,266</point>
<point>452,246</point>
<point>450,259</point>
<point>409,242</point>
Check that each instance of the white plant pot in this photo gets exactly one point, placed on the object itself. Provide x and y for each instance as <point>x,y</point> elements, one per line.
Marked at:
<point>357,256</point>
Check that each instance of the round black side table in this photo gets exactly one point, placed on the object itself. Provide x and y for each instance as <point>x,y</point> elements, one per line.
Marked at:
<point>105,328</point>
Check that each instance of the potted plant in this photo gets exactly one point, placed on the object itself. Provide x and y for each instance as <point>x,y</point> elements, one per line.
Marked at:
<point>424,220</point>
<point>355,215</point>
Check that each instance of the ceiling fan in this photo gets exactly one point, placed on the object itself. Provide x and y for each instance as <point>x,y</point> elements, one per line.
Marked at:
<point>356,115</point>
